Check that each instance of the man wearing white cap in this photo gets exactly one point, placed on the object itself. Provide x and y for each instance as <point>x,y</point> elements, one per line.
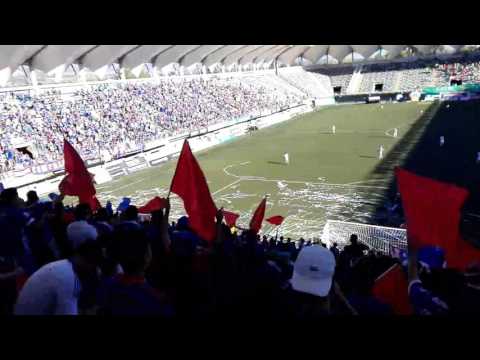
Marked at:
<point>312,280</point>
<point>313,271</point>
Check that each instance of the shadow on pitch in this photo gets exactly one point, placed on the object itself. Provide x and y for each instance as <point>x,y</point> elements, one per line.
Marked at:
<point>367,157</point>
<point>399,155</point>
<point>276,163</point>
<point>417,151</point>
<point>378,136</point>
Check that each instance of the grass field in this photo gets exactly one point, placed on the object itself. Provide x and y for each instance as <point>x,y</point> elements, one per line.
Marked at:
<point>330,176</point>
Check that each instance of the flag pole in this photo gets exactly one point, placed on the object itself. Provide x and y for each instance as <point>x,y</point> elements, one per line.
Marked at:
<point>175,173</point>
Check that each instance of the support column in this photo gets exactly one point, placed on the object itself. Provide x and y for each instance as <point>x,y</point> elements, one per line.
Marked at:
<point>34,80</point>
<point>156,76</point>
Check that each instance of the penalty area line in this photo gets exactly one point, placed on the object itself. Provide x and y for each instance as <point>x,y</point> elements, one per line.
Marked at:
<point>226,187</point>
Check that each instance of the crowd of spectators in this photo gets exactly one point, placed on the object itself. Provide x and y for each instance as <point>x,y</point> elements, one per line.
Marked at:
<point>60,260</point>
<point>465,72</point>
<point>123,117</point>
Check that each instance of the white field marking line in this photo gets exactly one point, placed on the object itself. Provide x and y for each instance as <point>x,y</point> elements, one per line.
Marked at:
<point>257,178</point>
<point>387,132</point>
<point>312,183</point>
<point>127,185</point>
<point>226,187</point>
<point>365,181</point>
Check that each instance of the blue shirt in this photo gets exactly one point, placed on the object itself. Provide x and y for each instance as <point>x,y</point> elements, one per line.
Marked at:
<point>132,296</point>
<point>12,223</point>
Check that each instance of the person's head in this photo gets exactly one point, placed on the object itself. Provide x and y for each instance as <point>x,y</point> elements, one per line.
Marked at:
<point>9,197</point>
<point>289,240</point>
<point>102,215</point>
<point>133,251</point>
<point>353,239</point>
<point>32,197</point>
<point>87,257</point>
<point>335,245</point>
<point>313,271</point>
<point>82,212</point>
<point>182,224</point>
<point>131,213</point>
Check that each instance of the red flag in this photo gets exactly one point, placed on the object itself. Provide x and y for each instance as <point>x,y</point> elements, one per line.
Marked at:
<point>276,220</point>
<point>157,203</point>
<point>190,184</point>
<point>257,218</point>
<point>230,218</point>
<point>432,209</point>
<point>392,288</point>
<point>78,181</point>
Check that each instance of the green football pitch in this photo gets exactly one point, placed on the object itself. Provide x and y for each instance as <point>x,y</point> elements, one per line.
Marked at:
<point>330,176</point>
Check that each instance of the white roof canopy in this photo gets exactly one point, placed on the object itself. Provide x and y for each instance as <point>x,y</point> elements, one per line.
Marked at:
<point>48,57</point>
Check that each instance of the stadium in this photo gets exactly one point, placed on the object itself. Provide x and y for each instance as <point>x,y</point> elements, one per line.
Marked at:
<point>319,132</point>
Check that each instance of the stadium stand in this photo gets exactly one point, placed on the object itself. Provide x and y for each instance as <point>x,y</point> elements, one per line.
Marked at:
<point>60,260</point>
<point>109,114</point>
<point>313,84</point>
<point>339,77</point>
<point>382,76</point>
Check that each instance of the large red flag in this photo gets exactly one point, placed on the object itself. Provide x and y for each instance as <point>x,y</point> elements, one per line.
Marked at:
<point>276,220</point>
<point>392,288</point>
<point>433,210</point>
<point>230,218</point>
<point>157,203</point>
<point>77,181</point>
<point>257,218</point>
<point>190,184</point>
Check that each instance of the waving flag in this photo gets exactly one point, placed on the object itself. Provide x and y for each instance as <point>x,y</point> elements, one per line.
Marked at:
<point>230,218</point>
<point>392,288</point>
<point>433,210</point>
<point>257,218</point>
<point>157,203</point>
<point>78,181</point>
<point>190,184</point>
<point>124,204</point>
<point>276,220</point>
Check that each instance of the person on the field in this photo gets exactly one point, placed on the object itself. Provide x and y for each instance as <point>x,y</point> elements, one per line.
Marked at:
<point>287,158</point>
<point>395,132</point>
<point>333,129</point>
<point>442,140</point>
<point>380,152</point>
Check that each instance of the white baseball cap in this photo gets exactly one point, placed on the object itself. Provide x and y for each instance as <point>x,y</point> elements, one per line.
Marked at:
<point>313,271</point>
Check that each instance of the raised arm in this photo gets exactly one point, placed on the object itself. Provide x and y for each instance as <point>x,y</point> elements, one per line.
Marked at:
<point>219,238</point>
<point>166,241</point>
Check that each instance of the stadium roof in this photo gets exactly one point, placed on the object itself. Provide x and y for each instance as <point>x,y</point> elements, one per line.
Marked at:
<point>93,57</point>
